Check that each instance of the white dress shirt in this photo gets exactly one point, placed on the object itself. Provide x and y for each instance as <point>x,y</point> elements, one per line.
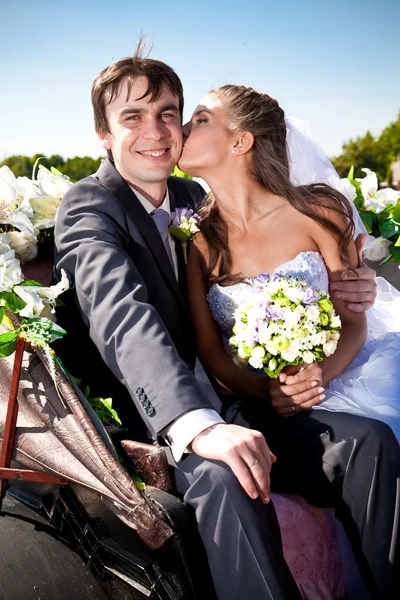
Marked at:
<point>188,426</point>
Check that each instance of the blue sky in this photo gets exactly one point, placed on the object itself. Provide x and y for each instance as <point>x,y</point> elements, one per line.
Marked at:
<point>334,63</point>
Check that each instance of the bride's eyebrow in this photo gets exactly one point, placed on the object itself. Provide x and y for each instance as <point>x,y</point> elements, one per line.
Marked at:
<point>195,114</point>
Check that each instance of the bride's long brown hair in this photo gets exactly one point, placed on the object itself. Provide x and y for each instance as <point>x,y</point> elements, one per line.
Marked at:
<point>260,114</point>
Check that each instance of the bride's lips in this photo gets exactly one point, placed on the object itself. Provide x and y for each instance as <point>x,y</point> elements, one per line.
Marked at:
<point>155,154</point>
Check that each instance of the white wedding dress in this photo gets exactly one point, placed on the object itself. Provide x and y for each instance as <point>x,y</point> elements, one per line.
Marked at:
<point>370,386</point>
<point>320,562</point>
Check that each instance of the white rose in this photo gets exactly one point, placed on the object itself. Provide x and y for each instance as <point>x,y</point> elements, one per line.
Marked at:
<point>308,357</point>
<point>379,249</point>
<point>10,269</point>
<point>330,347</point>
<point>312,314</point>
<point>24,245</point>
<point>256,357</point>
<point>272,364</point>
<point>335,321</point>
<point>290,354</point>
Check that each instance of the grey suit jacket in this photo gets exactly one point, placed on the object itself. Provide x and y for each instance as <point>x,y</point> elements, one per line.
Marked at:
<point>128,297</point>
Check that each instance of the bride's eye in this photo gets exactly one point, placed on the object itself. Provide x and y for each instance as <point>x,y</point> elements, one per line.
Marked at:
<point>201,120</point>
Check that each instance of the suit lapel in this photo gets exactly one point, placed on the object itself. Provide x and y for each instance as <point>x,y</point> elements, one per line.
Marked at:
<point>113,181</point>
<point>174,203</point>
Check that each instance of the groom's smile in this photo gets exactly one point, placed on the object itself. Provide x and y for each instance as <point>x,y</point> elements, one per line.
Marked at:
<point>144,135</point>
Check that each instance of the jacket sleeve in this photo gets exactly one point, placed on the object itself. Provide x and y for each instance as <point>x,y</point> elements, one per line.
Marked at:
<point>91,240</point>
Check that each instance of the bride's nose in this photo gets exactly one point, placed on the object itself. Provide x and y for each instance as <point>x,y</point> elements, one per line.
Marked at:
<point>186,130</point>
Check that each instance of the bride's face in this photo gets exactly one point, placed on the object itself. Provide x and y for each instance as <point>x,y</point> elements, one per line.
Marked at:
<point>208,142</point>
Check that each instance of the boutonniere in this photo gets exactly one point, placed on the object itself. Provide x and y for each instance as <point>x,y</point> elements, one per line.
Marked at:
<point>184,226</point>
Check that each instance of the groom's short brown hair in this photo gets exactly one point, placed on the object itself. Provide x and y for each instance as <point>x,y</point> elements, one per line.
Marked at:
<point>107,85</point>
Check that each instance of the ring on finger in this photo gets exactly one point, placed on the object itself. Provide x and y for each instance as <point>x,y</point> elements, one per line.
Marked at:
<point>293,409</point>
<point>255,462</point>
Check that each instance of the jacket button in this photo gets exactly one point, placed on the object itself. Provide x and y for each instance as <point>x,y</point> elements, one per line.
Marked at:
<point>151,411</point>
<point>145,403</point>
<point>139,391</point>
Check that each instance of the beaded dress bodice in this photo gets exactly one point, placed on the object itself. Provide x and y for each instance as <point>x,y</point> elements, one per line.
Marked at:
<point>224,300</point>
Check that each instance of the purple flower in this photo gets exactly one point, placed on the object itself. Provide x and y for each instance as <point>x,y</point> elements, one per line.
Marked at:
<point>274,313</point>
<point>179,213</point>
<point>259,281</point>
<point>309,296</point>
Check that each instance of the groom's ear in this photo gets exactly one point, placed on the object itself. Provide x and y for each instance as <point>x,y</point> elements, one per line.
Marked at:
<point>244,143</point>
<point>104,138</point>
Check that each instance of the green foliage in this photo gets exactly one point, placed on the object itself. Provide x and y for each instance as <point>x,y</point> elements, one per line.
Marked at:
<point>178,173</point>
<point>372,153</point>
<point>76,168</point>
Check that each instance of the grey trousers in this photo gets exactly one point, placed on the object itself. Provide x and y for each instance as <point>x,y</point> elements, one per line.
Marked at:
<point>333,459</point>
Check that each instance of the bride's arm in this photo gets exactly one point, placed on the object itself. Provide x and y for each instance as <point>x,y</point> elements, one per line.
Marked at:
<point>210,348</point>
<point>354,325</point>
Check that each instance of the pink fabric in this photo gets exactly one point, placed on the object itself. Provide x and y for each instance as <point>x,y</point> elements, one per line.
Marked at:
<point>310,547</point>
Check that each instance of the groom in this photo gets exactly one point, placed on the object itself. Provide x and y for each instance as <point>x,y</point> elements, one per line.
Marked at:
<point>128,277</point>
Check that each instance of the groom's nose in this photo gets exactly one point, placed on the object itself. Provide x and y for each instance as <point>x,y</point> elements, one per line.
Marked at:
<point>186,130</point>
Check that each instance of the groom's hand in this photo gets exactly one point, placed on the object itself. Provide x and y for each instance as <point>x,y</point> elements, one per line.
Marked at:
<point>357,290</point>
<point>244,450</point>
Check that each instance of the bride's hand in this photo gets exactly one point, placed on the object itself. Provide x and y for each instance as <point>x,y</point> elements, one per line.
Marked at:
<point>297,389</point>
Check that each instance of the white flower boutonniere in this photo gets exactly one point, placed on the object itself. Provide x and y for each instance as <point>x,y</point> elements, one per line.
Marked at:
<point>184,226</point>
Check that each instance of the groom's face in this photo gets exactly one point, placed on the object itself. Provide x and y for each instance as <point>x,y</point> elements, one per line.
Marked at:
<point>145,137</point>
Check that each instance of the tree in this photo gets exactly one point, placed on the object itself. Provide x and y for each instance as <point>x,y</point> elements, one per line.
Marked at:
<point>76,168</point>
<point>375,154</point>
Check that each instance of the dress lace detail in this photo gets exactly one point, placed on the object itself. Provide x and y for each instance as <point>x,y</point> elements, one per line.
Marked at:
<point>224,300</point>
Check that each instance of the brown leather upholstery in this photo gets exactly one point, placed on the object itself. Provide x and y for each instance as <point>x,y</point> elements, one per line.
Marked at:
<point>63,440</point>
<point>150,462</point>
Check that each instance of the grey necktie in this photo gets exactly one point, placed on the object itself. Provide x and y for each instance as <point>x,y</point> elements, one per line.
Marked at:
<point>161,219</point>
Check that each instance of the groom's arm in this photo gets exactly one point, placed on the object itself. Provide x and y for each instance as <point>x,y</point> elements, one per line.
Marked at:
<point>357,289</point>
<point>91,237</point>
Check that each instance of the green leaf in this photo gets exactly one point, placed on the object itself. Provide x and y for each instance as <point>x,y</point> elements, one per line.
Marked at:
<point>8,342</point>
<point>54,331</point>
<point>396,212</point>
<point>388,229</point>
<point>55,171</point>
<point>11,301</point>
<point>350,175</point>
<point>397,242</point>
<point>385,261</point>
<point>395,250</point>
<point>31,282</point>
<point>178,233</point>
<point>6,321</point>
<point>178,173</point>
<point>368,219</point>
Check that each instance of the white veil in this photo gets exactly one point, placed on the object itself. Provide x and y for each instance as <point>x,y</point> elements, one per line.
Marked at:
<point>308,163</point>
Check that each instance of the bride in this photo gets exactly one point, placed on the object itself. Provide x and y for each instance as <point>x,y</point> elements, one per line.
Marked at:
<point>258,219</point>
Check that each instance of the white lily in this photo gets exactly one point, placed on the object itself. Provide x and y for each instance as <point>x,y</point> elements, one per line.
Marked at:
<point>348,189</point>
<point>53,185</point>
<point>41,301</point>
<point>26,189</point>
<point>9,211</point>
<point>369,184</point>
<point>10,269</point>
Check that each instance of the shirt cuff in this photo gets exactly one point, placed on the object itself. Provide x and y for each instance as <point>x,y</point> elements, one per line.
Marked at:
<point>187,427</point>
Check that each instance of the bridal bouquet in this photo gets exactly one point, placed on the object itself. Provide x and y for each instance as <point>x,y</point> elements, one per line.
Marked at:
<point>285,322</point>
